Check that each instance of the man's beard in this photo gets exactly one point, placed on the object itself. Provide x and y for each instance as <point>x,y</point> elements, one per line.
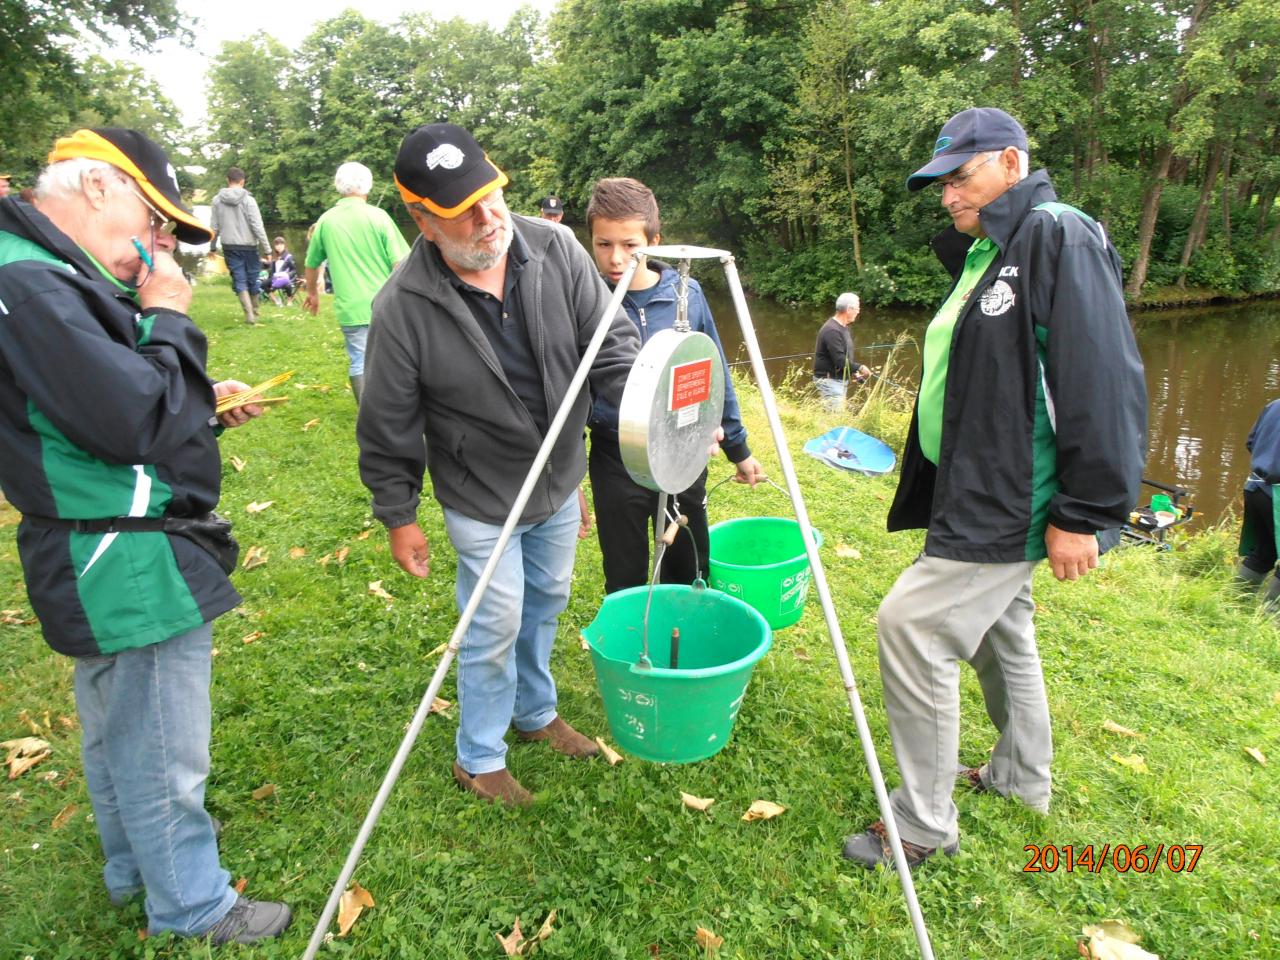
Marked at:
<point>469,255</point>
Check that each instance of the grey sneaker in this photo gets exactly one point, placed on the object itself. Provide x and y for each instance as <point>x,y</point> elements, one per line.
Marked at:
<point>871,848</point>
<point>249,921</point>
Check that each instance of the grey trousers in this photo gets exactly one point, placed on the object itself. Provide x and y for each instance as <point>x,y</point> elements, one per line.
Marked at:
<point>939,613</point>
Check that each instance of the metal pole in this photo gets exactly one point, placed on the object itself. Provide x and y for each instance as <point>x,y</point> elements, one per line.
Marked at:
<point>469,612</point>
<point>828,608</point>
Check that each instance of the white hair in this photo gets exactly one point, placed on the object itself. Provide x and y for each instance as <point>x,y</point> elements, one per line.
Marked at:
<point>353,180</point>
<point>1024,161</point>
<point>64,178</point>
<point>847,301</point>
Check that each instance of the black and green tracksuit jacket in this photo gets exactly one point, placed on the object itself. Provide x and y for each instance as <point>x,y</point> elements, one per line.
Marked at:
<point>104,412</point>
<point>1045,407</point>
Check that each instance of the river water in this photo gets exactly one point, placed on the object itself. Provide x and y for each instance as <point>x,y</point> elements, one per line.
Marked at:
<point>1209,372</point>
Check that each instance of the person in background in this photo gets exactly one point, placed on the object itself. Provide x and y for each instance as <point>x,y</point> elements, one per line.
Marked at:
<point>1027,442</point>
<point>552,209</point>
<point>237,223</point>
<point>5,184</point>
<point>1261,508</point>
<point>623,217</point>
<point>833,361</point>
<point>359,245</point>
<point>110,453</point>
<point>475,341</point>
<point>283,273</point>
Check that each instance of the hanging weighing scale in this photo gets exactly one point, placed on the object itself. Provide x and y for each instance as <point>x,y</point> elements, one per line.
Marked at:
<point>674,396</point>
<point>671,407</point>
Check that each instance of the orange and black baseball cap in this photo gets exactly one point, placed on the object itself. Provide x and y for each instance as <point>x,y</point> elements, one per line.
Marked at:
<point>441,166</point>
<point>143,160</point>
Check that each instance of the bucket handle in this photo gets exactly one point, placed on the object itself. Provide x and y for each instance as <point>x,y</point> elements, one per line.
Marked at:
<point>706,497</point>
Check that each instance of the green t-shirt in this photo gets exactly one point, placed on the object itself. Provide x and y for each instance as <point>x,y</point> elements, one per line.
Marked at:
<point>937,348</point>
<point>362,245</point>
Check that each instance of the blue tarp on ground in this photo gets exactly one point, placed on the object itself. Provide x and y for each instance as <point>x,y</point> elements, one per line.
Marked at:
<point>853,450</point>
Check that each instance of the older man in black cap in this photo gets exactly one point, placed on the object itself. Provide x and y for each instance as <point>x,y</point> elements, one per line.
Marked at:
<point>552,209</point>
<point>110,453</point>
<point>475,339</point>
<point>1027,442</point>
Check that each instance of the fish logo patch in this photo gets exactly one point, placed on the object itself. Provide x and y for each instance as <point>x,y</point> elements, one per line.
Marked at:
<point>941,144</point>
<point>446,155</point>
<point>997,299</point>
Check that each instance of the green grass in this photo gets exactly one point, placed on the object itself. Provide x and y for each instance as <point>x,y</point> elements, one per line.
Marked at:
<point>318,704</point>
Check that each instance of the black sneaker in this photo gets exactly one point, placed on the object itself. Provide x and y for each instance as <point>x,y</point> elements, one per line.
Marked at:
<point>871,848</point>
<point>249,921</point>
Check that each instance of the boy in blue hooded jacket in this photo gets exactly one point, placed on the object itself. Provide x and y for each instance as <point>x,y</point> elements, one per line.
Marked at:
<point>623,217</point>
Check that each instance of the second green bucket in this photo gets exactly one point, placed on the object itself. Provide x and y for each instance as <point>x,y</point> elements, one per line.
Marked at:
<point>761,560</point>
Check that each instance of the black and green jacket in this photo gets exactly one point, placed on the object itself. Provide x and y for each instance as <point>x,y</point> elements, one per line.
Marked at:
<point>104,412</point>
<point>1045,408</point>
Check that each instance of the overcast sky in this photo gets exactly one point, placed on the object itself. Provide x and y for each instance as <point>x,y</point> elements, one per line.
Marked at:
<point>181,72</point>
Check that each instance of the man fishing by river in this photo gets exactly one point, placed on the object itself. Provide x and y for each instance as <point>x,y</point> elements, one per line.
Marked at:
<point>1027,442</point>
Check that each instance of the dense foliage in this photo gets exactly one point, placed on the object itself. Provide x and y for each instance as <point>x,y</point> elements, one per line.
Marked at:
<point>782,129</point>
<point>48,87</point>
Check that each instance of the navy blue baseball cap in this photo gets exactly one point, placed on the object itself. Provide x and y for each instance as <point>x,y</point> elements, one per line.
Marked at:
<point>967,134</point>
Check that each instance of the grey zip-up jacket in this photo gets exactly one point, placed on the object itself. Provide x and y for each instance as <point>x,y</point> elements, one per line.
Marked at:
<point>237,221</point>
<point>436,397</point>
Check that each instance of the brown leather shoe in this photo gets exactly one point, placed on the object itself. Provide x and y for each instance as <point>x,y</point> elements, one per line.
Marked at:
<point>497,786</point>
<point>563,739</point>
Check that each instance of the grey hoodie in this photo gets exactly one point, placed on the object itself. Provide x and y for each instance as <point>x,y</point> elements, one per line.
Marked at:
<point>236,219</point>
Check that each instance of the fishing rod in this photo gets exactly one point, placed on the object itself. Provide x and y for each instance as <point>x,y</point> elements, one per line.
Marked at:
<point>793,356</point>
<point>797,356</point>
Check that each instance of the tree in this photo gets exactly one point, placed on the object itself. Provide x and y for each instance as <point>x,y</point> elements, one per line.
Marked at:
<point>688,96</point>
<point>43,82</point>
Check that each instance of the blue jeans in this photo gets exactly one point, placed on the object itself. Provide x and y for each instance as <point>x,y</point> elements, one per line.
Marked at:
<point>145,714</point>
<point>356,338</point>
<point>504,664</point>
<point>832,392</point>
<point>245,267</point>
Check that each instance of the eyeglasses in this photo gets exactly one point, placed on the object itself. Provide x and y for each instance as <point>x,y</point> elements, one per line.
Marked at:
<point>489,201</point>
<point>166,224</point>
<point>960,179</point>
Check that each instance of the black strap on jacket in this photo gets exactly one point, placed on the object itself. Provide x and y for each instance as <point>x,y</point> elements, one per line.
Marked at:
<point>109,525</point>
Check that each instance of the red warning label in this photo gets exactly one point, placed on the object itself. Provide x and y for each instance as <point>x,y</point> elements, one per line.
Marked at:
<point>690,384</point>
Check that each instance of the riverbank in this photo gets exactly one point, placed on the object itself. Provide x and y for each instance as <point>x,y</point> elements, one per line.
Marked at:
<point>316,677</point>
<point>1173,297</point>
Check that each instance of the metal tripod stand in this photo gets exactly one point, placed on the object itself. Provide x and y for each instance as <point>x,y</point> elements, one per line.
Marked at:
<point>679,253</point>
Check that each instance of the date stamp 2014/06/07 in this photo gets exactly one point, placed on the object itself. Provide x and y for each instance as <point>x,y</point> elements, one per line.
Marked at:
<point>1120,857</point>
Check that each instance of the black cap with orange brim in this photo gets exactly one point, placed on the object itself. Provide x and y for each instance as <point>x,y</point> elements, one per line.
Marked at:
<point>143,160</point>
<point>441,166</point>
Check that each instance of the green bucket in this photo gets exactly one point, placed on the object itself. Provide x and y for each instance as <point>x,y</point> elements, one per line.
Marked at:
<point>683,715</point>
<point>761,560</point>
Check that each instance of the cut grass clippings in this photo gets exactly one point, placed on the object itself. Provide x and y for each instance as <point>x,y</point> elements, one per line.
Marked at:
<point>318,702</point>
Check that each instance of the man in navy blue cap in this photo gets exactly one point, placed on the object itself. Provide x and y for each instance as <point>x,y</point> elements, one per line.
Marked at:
<point>1027,443</point>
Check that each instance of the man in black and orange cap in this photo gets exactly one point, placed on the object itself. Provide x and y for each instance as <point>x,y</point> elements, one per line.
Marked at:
<point>475,340</point>
<point>106,425</point>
